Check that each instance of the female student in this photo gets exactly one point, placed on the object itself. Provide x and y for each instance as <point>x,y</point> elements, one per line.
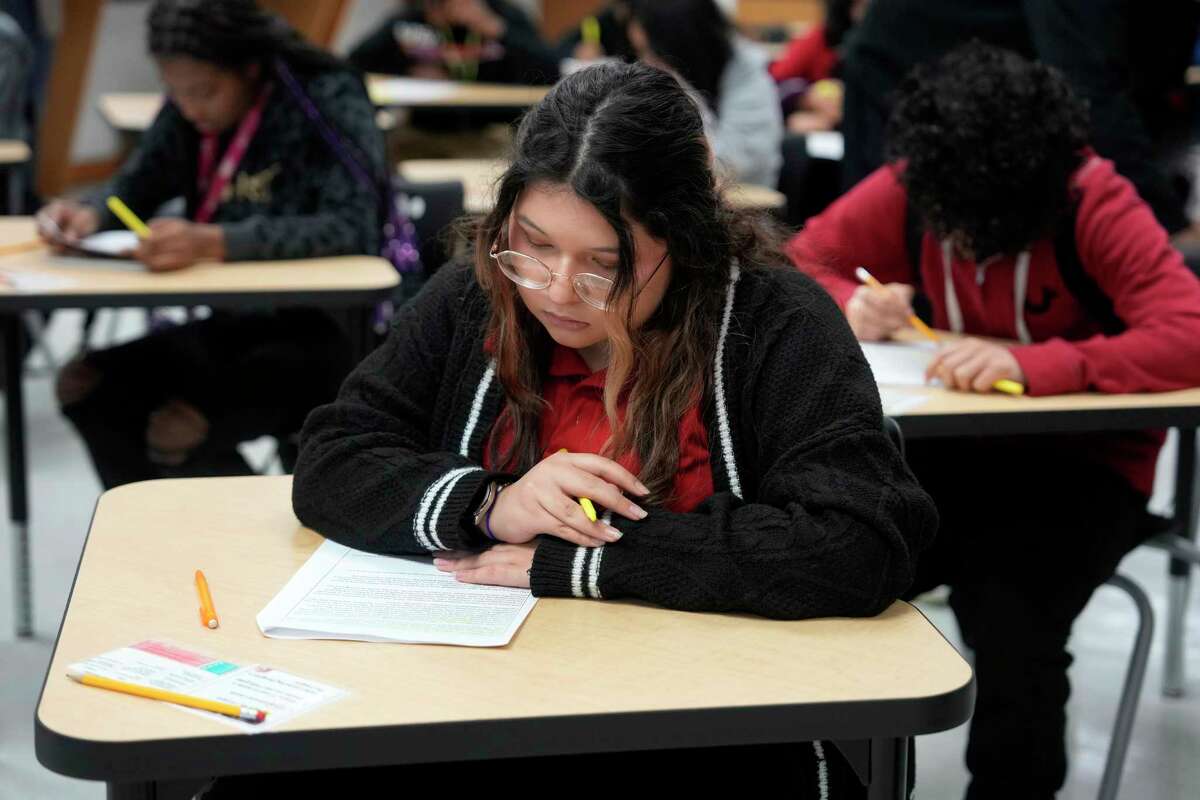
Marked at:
<point>695,39</point>
<point>715,409</point>
<point>997,211</point>
<point>259,183</point>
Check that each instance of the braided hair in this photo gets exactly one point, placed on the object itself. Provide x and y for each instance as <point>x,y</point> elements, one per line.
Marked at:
<point>231,34</point>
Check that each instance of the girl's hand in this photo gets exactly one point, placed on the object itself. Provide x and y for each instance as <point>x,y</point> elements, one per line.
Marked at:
<point>65,222</point>
<point>502,565</point>
<point>175,243</point>
<point>546,500</point>
<point>973,365</point>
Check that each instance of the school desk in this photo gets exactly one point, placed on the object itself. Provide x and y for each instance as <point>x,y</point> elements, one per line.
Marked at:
<point>132,112</point>
<point>946,413</point>
<point>356,282</point>
<point>579,676</point>
<point>478,176</point>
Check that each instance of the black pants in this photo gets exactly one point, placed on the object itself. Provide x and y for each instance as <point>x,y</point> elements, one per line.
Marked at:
<point>250,375</point>
<point>1029,529</point>
<point>793,771</point>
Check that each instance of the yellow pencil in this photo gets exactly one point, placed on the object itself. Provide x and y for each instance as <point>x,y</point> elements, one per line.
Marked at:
<point>590,30</point>
<point>208,612</point>
<point>127,217</point>
<point>869,279</point>
<point>589,510</point>
<point>228,709</point>
<point>22,247</point>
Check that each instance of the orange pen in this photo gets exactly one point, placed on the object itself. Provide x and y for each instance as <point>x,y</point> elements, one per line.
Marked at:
<point>208,614</point>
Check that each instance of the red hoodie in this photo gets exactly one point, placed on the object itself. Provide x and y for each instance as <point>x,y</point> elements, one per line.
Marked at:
<point>807,57</point>
<point>1121,247</point>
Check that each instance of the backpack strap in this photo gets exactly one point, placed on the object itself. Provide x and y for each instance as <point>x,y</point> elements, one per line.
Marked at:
<point>1079,283</point>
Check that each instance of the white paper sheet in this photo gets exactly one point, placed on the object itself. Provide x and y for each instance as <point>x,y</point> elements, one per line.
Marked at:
<point>897,364</point>
<point>897,403</point>
<point>342,593</point>
<point>827,145</point>
<point>165,665</point>
<point>115,244</point>
<point>410,91</point>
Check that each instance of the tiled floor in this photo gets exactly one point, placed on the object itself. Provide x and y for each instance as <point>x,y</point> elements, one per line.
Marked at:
<point>1163,763</point>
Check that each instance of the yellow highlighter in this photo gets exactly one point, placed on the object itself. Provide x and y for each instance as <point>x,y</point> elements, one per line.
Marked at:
<point>589,510</point>
<point>1009,387</point>
<point>127,217</point>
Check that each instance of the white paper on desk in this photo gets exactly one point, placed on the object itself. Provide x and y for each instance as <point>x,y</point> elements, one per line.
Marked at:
<point>827,145</point>
<point>165,665</point>
<point>114,244</point>
<point>897,403</point>
<point>410,91</point>
<point>895,364</point>
<point>342,593</point>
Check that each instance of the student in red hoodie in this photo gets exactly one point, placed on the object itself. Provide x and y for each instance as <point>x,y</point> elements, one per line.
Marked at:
<point>994,209</point>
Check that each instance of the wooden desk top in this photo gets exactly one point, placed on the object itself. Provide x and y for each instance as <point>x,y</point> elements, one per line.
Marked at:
<point>575,667</point>
<point>93,282</point>
<point>391,91</point>
<point>13,151</point>
<point>132,112</point>
<point>478,176</point>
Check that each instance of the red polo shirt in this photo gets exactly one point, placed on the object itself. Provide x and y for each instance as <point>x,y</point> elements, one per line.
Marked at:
<point>574,420</point>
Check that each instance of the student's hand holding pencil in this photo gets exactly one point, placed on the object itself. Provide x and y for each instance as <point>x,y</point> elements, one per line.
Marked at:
<point>877,312</point>
<point>176,244</point>
<point>546,500</point>
<point>973,365</point>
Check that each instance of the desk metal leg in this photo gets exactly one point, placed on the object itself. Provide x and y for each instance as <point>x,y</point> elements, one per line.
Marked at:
<point>881,764</point>
<point>1179,577</point>
<point>889,769</point>
<point>18,501</point>
<point>156,790</point>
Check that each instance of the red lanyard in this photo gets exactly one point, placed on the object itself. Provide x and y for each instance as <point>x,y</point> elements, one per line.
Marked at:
<point>211,179</point>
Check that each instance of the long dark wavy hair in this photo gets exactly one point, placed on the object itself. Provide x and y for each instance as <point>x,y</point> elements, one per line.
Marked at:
<point>231,34</point>
<point>989,141</point>
<point>629,140</point>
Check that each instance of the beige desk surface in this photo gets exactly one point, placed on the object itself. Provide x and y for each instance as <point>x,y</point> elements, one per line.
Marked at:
<point>132,112</point>
<point>479,175</point>
<point>91,277</point>
<point>13,151</point>
<point>571,657</point>
<point>391,91</point>
<point>947,411</point>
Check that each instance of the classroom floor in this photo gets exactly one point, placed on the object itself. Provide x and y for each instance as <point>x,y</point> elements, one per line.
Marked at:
<point>1162,761</point>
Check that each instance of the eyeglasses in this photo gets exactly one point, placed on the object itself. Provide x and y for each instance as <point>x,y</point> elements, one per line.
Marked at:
<point>531,273</point>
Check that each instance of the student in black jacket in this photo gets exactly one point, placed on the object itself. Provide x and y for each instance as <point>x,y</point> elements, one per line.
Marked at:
<point>177,402</point>
<point>716,409</point>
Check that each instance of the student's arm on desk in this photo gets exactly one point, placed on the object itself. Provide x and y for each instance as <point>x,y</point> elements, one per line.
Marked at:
<point>368,476</point>
<point>157,171</point>
<point>1124,249</point>
<point>864,227</point>
<point>837,519</point>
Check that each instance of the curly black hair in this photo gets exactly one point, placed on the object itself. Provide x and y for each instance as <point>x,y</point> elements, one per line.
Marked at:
<point>989,141</point>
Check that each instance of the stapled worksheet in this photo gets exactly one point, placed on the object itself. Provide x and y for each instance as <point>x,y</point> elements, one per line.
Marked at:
<point>342,593</point>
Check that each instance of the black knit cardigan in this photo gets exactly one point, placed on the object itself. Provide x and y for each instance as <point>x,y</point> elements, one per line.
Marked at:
<point>814,511</point>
